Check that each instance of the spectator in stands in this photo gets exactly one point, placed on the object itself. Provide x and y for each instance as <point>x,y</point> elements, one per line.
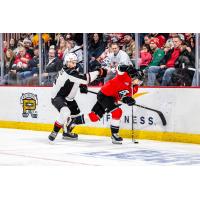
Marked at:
<point>20,65</point>
<point>166,66</point>
<point>68,36</point>
<point>59,38</point>
<point>9,58</point>
<point>184,67</point>
<point>171,36</point>
<point>169,40</point>
<point>116,38</point>
<point>51,69</point>
<point>117,57</point>
<point>13,44</point>
<point>34,62</point>
<point>147,39</point>
<point>190,41</point>
<point>27,45</point>
<point>22,58</point>
<point>158,53</point>
<point>78,38</point>
<point>161,39</point>
<point>129,45</point>
<point>23,77</point>
<point>167,47</point>
<point>96,48</point>
<point>145,57</point>
<point>19,45</point>
<point>5,46</point>
<point>61,49</point>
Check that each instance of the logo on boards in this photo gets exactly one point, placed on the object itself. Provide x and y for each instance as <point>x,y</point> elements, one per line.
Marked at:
<point>29,103</point>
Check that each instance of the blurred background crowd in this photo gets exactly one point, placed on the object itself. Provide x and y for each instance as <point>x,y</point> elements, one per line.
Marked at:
<point>167,59</point>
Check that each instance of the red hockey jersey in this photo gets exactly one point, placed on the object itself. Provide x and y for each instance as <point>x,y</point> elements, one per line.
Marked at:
<point>119,87</point>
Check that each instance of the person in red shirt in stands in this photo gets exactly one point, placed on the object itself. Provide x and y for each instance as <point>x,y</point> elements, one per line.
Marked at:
<point>166,65</point>
<point>20,64</point>
<point>145,57</point>
<point>22,58</point>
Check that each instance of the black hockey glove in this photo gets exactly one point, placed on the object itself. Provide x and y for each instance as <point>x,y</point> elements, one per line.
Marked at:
<point>123,68</point>
<point>102,72</point>
<point>129,101</point>
<point>83,89</point>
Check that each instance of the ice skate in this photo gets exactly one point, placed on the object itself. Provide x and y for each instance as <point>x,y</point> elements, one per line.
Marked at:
<point>52,136</point>
<point>116,139</point>
<point>67,132</point>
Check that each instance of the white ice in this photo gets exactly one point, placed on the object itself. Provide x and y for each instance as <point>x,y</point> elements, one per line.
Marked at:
<point>25,147</point>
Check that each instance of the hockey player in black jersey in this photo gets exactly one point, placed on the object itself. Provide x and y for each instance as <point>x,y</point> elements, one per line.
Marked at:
<point>64,91</point>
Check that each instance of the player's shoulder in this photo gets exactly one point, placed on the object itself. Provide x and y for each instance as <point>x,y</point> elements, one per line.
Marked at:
<point>71,71</point>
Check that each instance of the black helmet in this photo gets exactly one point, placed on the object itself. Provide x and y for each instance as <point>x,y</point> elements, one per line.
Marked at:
<point>135,73</point>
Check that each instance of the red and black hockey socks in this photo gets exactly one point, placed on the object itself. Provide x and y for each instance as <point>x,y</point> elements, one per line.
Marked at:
<point>57,127</point>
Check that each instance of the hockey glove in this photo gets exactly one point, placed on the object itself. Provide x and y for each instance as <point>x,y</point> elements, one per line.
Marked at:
<point>123,68</point>
<point>83,89</point>
<point>102,72</point>
<point>129,101</point>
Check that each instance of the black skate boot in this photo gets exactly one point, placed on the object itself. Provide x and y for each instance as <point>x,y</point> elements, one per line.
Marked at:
<point>67,132</point>
<point>53,135</point>
<point>70,136</point>
<point>116,139</point>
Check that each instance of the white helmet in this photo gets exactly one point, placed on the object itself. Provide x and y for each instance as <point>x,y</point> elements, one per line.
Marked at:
<point>70,57</point>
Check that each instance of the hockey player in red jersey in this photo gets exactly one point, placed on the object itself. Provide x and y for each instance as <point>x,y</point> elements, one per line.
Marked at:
<point>120,88</point>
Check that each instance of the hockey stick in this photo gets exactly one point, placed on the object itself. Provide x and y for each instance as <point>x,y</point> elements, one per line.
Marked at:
<point>162,117</point>
<point>132,129</point>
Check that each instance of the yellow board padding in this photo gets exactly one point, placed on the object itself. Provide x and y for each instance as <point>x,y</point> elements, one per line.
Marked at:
<point>138,134</point>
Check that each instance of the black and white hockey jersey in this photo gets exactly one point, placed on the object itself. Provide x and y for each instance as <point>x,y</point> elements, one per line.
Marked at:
<point>68,80</point>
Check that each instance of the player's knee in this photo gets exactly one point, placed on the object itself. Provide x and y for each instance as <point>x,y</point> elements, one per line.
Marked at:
<point>64,113</point>
<point>117,113</point>
<point>93,117</point>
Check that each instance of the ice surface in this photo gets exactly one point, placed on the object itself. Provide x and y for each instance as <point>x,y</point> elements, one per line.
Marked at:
<point>25,147</point>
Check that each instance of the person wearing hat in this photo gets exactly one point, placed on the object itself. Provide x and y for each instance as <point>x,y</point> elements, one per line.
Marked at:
<point>121,88</point>
<point>28,46</point>
<point>158,53</point>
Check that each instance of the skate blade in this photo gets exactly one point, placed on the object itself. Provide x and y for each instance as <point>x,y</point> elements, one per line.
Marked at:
<point>51,142</point>
<point>51,139</point>
<point>116,142</point>
<point>69,138</point>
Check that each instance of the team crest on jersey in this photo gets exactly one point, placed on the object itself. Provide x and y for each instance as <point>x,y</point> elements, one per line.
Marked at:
<point>123,93</point>
<point>29,103</point>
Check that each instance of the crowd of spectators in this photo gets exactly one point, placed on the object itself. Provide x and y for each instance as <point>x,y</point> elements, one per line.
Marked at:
<point>166,59</point>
